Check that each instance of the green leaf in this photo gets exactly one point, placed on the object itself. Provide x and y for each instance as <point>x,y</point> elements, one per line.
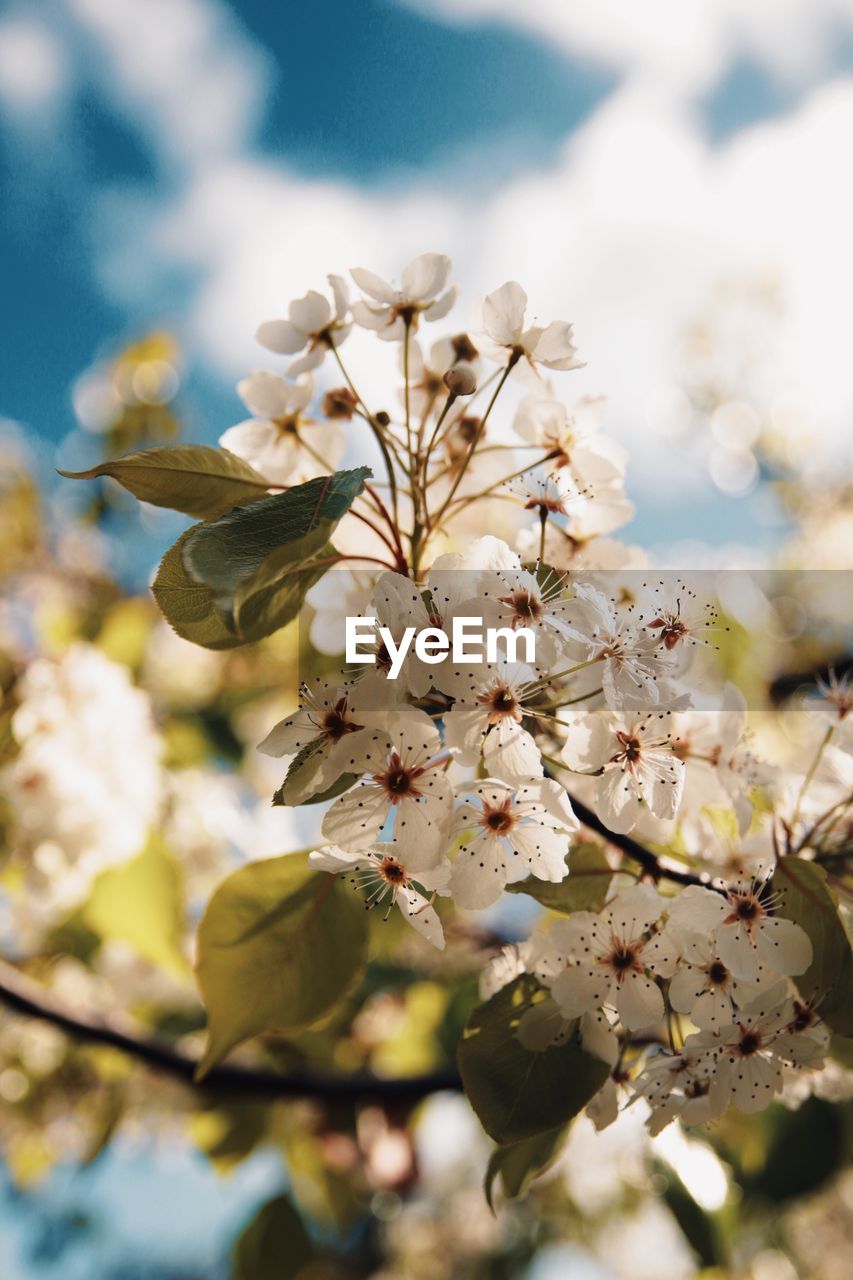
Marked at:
<point>188,606</point>
<point>516,1093</point>
<point>805,898</point>
<point>196,479</point>
<point>141,903</point>
<point>273,596</point>
<point>279,945</point>
<point>520,1162</point>
<point>274,1246</point>
<point>585,888</point>
<point>250,556</point>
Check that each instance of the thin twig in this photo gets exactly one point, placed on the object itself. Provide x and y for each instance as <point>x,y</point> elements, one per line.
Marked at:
<point>23,995</point>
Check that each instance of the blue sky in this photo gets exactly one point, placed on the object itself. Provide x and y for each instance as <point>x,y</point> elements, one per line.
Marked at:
<point>151,154</point>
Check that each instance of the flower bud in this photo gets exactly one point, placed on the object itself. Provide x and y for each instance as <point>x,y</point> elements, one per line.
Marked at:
<point>460,380</point>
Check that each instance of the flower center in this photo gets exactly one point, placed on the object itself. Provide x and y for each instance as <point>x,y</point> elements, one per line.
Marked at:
<point>672,629</point>
<point>525,607</point>
<point>398,781</point>
<point>288,424</point>
<point>501,702</point>
<point>718,973</point>
<point>336,724</point>
<point>747,908</point>
<point>623,959</point>
<point>631,749</point>
<point>390,870</point>
<point>498,820</point>
<point>750,1043</point>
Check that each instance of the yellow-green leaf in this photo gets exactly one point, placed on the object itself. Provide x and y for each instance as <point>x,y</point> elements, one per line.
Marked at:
<point>274,1246</point>
<point>805,898</point>
<point>197,479</point>
<point>141,903</point>
<point>519,1094</point>
<point>189,606</point>
<point>278,947</point>
<point>519,1163</point>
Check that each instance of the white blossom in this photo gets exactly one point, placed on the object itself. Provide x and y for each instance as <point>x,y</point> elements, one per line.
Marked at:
<point>311,324</point>
<point>503,834</point>
<point>610,959</point>
<point>383,874</point>
<point>422,294</point>
<point>503,317</point>
<point>279,441</point>
<point>404,780</point>
<point>635,765</point>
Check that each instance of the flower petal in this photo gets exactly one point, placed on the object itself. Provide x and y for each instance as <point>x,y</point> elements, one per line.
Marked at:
<point>280,336</point>
<point>425,276</point>
<point>374,286</point>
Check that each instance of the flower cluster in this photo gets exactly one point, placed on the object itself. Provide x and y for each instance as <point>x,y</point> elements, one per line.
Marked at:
<point>454,781</point>
<point>719,960</point>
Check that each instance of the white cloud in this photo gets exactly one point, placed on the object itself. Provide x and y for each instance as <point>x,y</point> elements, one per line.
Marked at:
<point>181,69</point>
<point>628,236</point>
<point>32,67</point>
<point>683,44</point>
<point>627,233</point>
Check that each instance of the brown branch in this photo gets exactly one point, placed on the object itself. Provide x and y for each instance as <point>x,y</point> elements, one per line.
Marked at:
<point>23,995</point>
<point>649,861</point>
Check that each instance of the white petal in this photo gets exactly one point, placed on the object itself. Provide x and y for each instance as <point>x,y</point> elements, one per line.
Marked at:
<point>603,1109</point>
<point>639,1002</point>
<point>334,859</point>
<point>479,873</point>
<point>305,364</point>
<point>541,852</point>
<point>738,951</point>
<point>290,735</point>
<point>280,336</point>
<point>422,823</point>
<point>312,313</point>
<point>374,286</point>
<point>580,989</point>
<point>341,295</point>
<point>598,1037</point>
<point>618,805</point>
<point>713,1009</point>
<point>783,945</point>
<point>555,348</point>
<point>686,987</point>
<point>439,309</point>
<point>357,817</point>
<point>503,313</point>
<point>266,395</point>
<point>249,439</point>
<point>425,276</point>
<point>634,910</point>
<point>754,1081</point>
<point>420,915</point>
<point>697,908</point>
<point>510,752</point>
<point>369,317</point>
